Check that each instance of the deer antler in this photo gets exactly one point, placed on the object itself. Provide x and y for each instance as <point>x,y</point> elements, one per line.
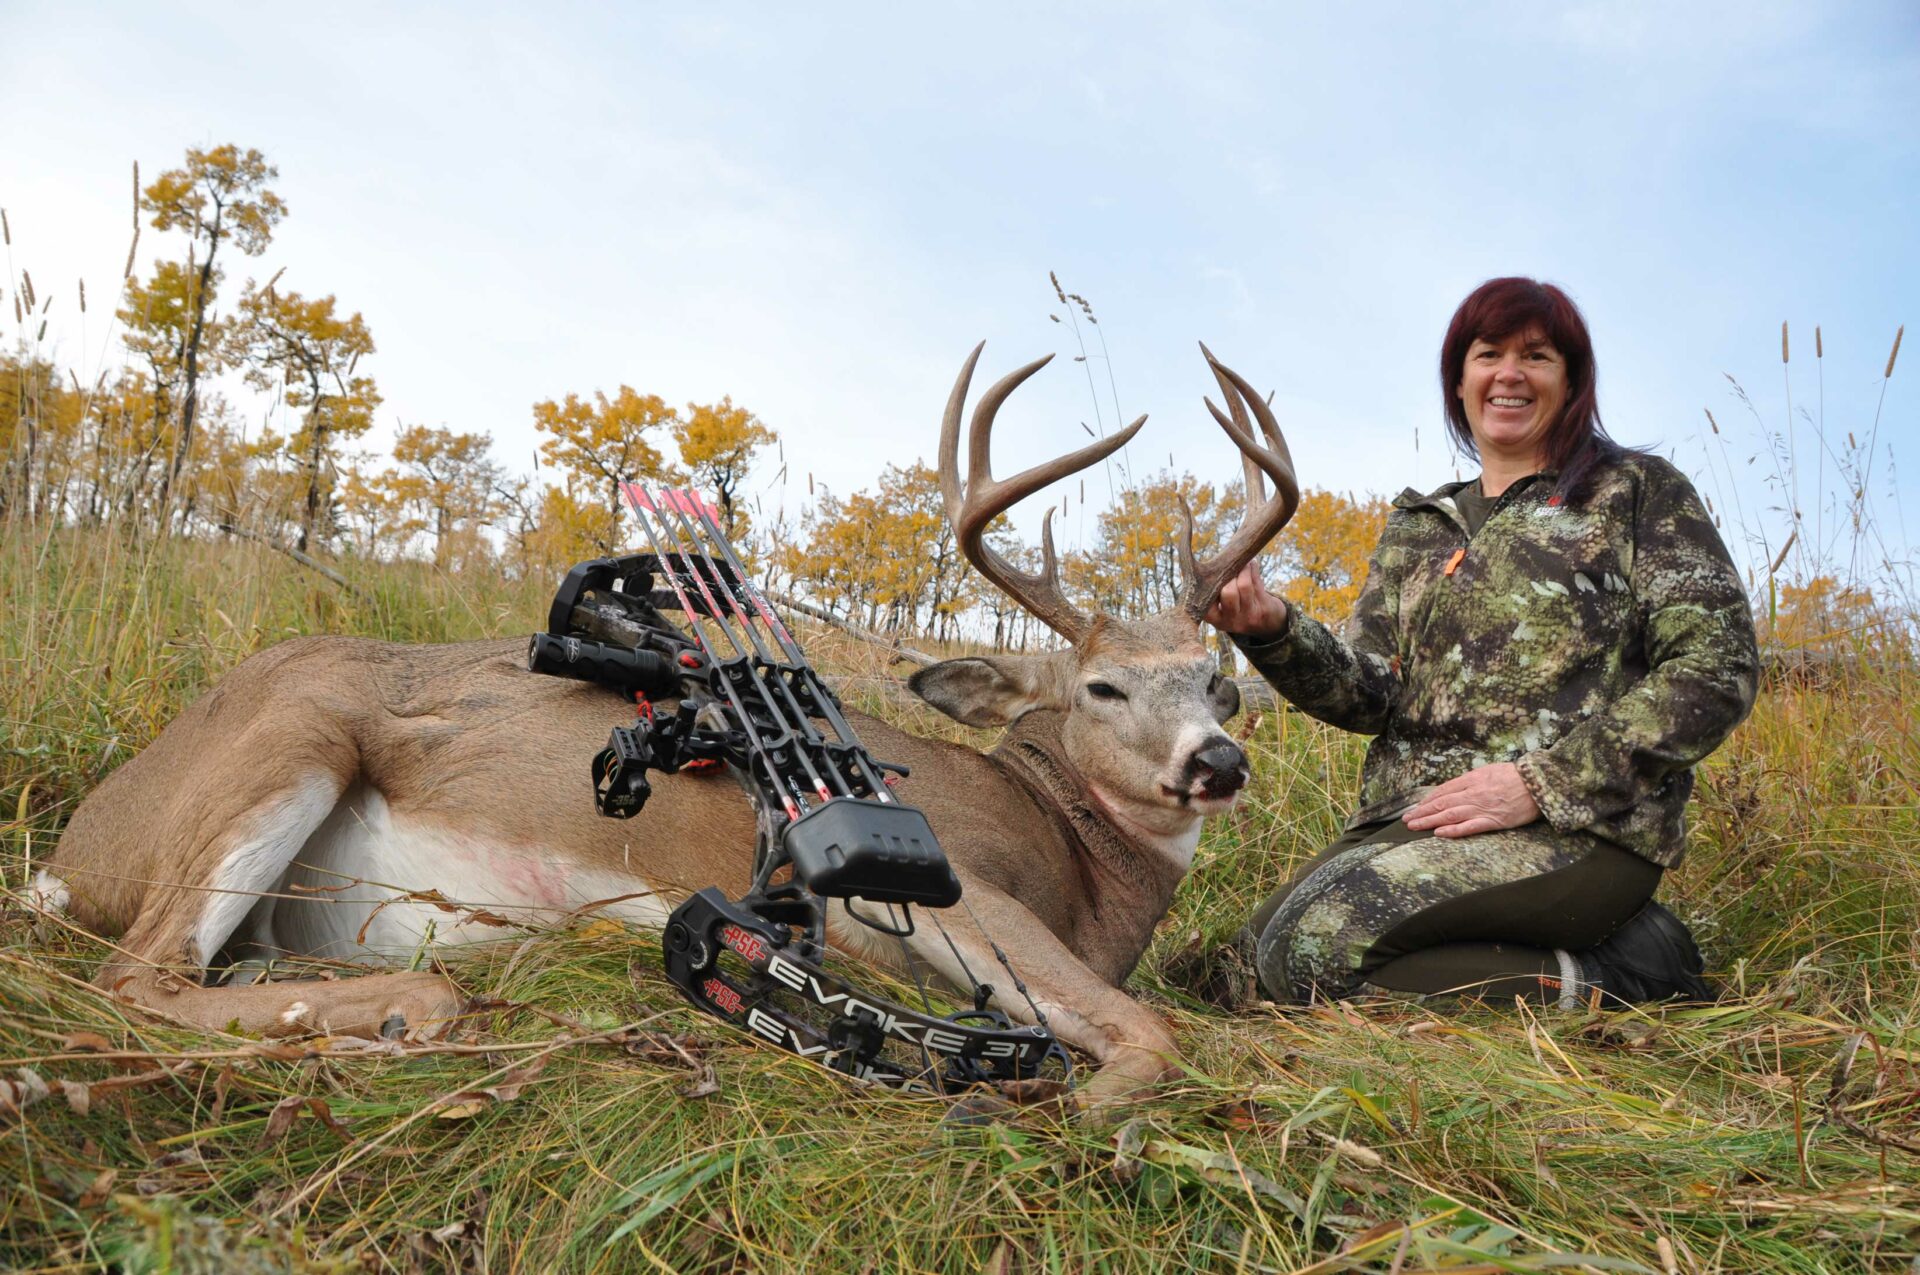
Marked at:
<point>971,509</point>
<point>1265,516</point>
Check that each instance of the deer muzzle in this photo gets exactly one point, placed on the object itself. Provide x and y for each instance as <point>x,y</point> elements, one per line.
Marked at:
<point>1220,769</point>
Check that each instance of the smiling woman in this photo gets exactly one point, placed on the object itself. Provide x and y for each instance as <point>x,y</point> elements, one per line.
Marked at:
<point>1542,654</point>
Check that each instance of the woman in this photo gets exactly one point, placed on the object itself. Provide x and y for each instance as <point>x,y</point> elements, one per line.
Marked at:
<point>1542,654</point>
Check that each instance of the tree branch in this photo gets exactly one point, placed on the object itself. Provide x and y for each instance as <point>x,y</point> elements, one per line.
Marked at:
<point>299,557</point>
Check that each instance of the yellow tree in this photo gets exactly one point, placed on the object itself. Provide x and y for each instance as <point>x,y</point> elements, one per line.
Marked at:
<point>159,319</point>
<point>444,485</point>
<point>604,442</point>
<point>368,513</point>
<point>1136,567</point>
<point>717,445</point>
<point>313,351</point>
<point>25,384</point>
<point>1322,555</point>
<point>218,197</point>
<point>1824,615</point>
<point>568,528</point>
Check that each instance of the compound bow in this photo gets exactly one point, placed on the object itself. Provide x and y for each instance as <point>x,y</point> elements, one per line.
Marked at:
<point>828,825</point>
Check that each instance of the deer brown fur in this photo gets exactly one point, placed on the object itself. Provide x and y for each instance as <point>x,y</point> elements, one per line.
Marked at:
<point>346,797</point>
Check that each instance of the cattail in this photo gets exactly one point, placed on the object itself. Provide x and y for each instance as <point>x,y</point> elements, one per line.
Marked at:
<point>1710,420</point>
<point>809,482</point>
<point>1850,441</point>
<point>1891,356</point>
<point>1054,317</point>
<point>126,271</point>
<point>1783,340</point>
<point>83,296</point>
<point>1088,428</point>
<point>41,335</point>
<point>1054,279</point>
<point>1709,500</point>
<point>1818,351</point>
<point>26,286</point>
<point>136,196</point>
<point>5,229</point>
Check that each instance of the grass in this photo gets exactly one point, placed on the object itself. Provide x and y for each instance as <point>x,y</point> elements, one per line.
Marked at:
<point>1764,1133</point>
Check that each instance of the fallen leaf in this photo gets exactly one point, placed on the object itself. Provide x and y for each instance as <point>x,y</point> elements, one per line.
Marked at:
<point>461,1106</point>
<point>665,1048</point>
<point>23,1091</point>
<point>471,1102</point>
<point>705,1084</point>
<point>221,1085</point>
<point>287,1110</point>
<point>86,1043</point>
<point>1128,1140</point>
<point>79,1096</point>
<point>98,1189</point>
<point>1634,1034</point>
<point>1246,1115</point>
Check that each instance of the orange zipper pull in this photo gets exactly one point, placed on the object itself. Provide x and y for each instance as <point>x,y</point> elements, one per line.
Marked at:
<point>1453,563</point>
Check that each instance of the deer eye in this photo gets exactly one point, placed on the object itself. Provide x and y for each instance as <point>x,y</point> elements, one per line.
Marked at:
<point>1105,690</point>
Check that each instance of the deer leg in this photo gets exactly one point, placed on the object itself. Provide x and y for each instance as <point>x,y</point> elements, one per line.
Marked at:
<point>1130,1044</point>
<point>183,925</point>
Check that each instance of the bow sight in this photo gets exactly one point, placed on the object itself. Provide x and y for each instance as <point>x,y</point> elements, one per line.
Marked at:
<point>828,824</point>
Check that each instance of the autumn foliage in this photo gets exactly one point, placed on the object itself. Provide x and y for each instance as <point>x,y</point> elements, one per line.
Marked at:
<point>153,446</point>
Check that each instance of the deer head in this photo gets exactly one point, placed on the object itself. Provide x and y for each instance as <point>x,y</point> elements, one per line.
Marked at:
<point>1142,701</point>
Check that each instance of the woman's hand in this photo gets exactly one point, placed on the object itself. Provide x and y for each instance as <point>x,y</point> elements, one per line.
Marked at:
<point>1246,608</point>
<point>1486,799</point>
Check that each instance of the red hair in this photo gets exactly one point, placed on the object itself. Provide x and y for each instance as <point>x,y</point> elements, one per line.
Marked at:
<point>1575,440</point>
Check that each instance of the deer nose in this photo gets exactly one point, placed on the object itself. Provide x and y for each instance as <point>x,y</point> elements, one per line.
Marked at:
<point>1221,767</point>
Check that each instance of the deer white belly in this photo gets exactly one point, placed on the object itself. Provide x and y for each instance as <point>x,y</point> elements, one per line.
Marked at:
<point>345,894</point>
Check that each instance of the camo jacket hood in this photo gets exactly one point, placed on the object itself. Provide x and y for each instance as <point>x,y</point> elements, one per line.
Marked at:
<point>1603,644</point>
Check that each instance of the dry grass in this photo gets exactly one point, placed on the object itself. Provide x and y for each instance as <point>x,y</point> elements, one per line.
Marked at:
<point>1394,1139</point>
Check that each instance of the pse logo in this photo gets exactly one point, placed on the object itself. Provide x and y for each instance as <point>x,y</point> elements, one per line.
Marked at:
<point>722,995</point>
<point>749,945</point>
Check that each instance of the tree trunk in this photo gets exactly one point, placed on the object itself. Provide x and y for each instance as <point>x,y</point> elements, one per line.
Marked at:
<point>318,426</point>
<point>190,391</point>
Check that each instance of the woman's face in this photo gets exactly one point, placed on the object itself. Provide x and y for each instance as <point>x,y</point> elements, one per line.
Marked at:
<point>1512,390</point>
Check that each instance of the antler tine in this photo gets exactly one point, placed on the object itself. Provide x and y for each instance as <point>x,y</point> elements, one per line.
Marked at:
<point>1265,515</point>
<point>1256,487</point>
<point>983,498</point>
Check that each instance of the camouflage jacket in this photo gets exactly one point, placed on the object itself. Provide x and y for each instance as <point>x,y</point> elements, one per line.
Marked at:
<point>1603,644</point>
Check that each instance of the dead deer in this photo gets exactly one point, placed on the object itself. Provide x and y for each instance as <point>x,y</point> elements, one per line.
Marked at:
<point>332,796</point>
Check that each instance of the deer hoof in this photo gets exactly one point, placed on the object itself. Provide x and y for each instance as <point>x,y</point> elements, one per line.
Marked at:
<point>979,1109</point>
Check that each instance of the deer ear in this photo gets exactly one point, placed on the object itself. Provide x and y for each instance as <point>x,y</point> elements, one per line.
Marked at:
<point>1224,695</point>
<point>991,690</point>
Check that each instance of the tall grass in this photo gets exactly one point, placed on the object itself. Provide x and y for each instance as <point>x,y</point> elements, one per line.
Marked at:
<point>1390,1139</point>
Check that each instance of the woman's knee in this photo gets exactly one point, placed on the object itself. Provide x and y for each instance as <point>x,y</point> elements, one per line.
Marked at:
<point>1316,946</point>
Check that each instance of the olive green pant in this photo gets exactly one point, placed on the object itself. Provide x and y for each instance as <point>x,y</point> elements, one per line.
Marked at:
<point>1386,909</point>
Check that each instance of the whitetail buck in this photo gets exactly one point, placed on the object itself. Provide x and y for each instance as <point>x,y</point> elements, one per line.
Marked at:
<point>294,806</point>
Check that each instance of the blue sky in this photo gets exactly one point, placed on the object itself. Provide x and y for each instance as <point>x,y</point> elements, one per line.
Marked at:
<point>819,210</point>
